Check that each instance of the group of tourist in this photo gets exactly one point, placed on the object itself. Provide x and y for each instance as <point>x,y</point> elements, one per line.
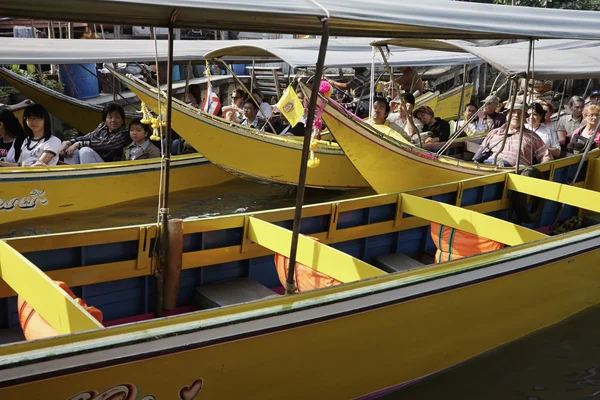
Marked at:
<point>542,140</point>
<point>33,144</point>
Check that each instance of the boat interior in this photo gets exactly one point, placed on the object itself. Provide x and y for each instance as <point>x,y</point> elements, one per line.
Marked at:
<point>226,262</point>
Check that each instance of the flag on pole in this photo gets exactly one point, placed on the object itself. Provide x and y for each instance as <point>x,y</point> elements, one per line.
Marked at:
<point>211,103</point>
<point>290,106</point>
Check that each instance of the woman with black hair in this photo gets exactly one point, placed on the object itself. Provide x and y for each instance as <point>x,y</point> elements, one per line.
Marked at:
<point>535,122</point>
<point>40,147</point>
<point>11,137</point>
<point>104,144</point>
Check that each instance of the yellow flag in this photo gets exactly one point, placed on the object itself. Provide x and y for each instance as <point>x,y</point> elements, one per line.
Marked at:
<point>290,106</point>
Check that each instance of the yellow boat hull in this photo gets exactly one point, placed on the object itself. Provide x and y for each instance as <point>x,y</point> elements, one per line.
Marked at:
<point>79,114</point>
<point>27,193</point>
<point>448,105</point>
<point>391,166</point>
<point>250,154</point>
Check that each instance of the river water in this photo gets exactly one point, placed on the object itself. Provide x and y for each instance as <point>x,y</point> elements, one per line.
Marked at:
<point>232,197</point>
<point>558,363</point>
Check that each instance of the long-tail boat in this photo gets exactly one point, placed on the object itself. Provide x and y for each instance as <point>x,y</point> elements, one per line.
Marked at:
<point>250,153</point>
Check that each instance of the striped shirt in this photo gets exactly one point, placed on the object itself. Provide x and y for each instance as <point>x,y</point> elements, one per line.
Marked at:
<point>109,145</point>
<point>532,144</point>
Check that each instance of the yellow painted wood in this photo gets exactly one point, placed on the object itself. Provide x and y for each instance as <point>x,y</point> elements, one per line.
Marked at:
<point>428,99</point>
<point>101,182</point>
<point>449,103</point>
<point>255,155</point>
<point>51,302</point>
<point>315,255</point>
<point>592,179</point>
<point>469,221</point>
<point>567,194</point>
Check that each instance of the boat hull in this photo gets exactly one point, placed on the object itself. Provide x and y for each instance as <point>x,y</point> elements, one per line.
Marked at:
<point>43,191</point>
<point>448,105</point>
<point>255,155</point>
<point>364,343</point>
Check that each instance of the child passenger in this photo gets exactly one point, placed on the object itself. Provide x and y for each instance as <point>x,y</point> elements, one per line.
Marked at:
<point>140,148</point>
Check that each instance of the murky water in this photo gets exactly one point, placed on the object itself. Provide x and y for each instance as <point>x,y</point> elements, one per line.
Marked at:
<point>559,363</point>
<point>232,197</point>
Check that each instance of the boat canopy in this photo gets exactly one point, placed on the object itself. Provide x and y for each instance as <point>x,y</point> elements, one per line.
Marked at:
<point>383,18</point>
<point>553,59</point>
<point>343,52</point>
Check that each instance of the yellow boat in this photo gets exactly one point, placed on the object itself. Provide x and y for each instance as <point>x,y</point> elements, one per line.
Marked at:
<point>27,193</point>
<point>390,166</point>
<point>449,102</point>
<point>386,326</point>
<point>77,113</point>
<point>250,154</point>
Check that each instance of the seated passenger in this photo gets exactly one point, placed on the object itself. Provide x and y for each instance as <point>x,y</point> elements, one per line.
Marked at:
<point>399,114</point>
<point>568,123</point>
<point>532,144</point>
<point>474,127</point>
<point>535,116</point>
<point>104,144</point>
<point>490,118</point>
<point>251,118</point>
<point>233,112</point>
<point>381,110</point>
<point>140,148</point>
<point>40,148</point>
<point>438,130</point>
<point>11,138</point>
<point>591,116</point>
<point>265,108</point>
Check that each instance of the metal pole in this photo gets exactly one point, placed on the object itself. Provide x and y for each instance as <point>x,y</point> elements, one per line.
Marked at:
<point>187,81</point>
<point>164,203</point>
<point>290,288</point>
<point>462,96</point>
<point>523,112</point>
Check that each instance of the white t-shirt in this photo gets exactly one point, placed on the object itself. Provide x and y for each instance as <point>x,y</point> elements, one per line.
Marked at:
<point>394,118</point>
<point>265,110</point>
<point>31,151</point>
<point>10,157</point>
<point>548,135</point>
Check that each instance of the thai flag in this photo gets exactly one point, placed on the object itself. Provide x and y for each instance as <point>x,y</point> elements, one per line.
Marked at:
<point>211,103</point>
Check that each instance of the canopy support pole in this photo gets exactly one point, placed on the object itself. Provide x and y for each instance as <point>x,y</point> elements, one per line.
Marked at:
<point>290,287</point>
<point>524,110</point>
<point>187,81</point>
<point>163,213</point>
<point>462,96</point>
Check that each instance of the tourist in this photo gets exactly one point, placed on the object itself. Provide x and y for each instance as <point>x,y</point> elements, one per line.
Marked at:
<point>359,88</point>
<point>532,144</point>
<point>251,118</point>
<point>265,108</point>
<point>104,144</point>
<point>233,112</point>
<point>567,124</point>
<point>436,128</point>
<point>140,147</point>
<point>581,135</point>
<point>474,127</point>
<point>379,114</point>
<point>40,148</point>
<point>402,114</point>
<point>535,116</point>
<point>595,97</point>
<point>11,138</point>
<point>490,117</point>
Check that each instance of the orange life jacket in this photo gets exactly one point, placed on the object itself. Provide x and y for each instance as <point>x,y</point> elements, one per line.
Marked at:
<point>305,277</point>
<point>453,244</point>
<point>36,327</point>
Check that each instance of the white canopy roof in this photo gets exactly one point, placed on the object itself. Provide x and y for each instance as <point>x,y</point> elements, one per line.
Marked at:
<point>382,18</point>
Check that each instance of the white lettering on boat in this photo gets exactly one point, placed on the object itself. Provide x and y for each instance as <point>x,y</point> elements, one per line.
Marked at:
<point>30,202</point>
<point>127,391</point>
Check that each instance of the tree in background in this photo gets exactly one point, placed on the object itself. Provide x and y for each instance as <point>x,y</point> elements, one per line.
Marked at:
<point>566,4</point>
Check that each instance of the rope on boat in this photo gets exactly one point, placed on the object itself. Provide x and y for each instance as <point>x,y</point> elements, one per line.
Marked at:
<point>460,130</point>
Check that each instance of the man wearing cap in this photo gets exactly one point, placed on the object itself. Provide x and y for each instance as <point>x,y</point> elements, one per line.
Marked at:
<point>532,144</point>
<point>595,97</point>
<point>490,118</point>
